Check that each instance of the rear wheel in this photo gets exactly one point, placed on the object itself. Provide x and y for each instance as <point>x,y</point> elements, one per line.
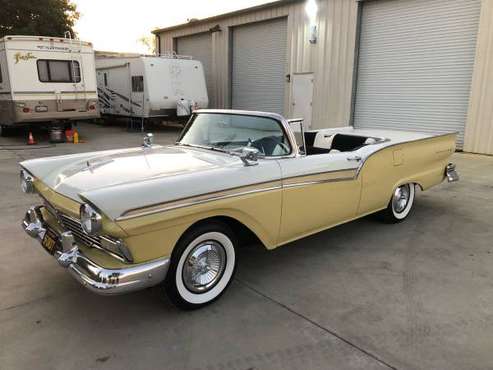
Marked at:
<point>400,204</point>
<point>202,266</point>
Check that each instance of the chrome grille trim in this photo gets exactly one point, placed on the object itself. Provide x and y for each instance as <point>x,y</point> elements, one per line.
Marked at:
<point>75,227</point>
<point>68,223</point>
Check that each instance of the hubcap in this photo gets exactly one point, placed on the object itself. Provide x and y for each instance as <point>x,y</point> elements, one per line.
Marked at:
<point>401,198</point>
<point>204,266</point>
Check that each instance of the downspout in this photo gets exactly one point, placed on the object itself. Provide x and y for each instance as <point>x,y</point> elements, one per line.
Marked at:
<point>359,13</point>
<point>158,41</point>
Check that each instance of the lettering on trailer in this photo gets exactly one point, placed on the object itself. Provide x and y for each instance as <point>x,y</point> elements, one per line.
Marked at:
<point>113,92</point>
<point>60,48</point>
<point>19,56</point>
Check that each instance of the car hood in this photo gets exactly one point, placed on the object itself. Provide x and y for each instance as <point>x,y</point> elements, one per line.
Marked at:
<point>121,180</point>
<point>83,173</point>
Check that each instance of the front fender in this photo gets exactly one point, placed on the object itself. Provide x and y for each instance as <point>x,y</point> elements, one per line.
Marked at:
<point>154,236</point>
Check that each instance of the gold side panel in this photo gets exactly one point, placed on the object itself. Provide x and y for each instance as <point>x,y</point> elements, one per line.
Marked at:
<point>422,162</point>
<point>155,235</point>
<point>314,206</point>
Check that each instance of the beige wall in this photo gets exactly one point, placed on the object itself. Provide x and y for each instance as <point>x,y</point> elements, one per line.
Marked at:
<point>331,59</point>
<point>479,126</point>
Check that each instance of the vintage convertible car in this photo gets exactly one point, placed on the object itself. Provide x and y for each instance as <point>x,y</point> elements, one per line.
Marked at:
<point>123,220</point>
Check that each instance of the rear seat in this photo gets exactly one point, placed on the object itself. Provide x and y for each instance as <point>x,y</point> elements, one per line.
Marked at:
<point>323,143</point>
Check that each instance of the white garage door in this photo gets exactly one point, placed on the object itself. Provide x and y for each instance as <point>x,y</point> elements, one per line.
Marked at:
<point>259,66</point>
<point>415,64</point>
<point>200,48</point>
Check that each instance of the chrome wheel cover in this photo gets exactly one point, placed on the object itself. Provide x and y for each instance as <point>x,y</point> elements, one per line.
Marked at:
<point>204,266</point>
<point>401,197</point>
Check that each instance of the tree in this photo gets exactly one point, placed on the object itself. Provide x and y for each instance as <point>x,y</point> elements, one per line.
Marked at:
<point>37,17</point>
<point>149,42</point>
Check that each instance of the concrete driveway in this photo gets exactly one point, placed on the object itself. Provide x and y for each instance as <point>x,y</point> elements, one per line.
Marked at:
<point>418,295</point>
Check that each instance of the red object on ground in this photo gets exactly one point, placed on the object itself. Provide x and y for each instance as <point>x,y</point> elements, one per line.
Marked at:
<point>69,135</point>
<point>30,140</point>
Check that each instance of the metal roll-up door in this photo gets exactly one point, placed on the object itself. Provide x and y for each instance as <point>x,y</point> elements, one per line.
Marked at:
<point>259,66</point>
<point>415,66</point>
<point>199,47</point>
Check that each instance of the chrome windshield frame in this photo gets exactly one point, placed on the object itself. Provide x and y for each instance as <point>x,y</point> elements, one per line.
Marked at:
<point>277,117</point>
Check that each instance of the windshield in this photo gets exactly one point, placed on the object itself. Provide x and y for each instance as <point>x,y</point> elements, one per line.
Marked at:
<point>228,132</point>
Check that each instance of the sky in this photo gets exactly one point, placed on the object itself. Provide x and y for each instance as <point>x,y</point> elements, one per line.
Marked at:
<point>116,25</point>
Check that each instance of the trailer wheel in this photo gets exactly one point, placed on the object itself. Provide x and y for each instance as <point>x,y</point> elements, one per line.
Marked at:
<point>5,131</point>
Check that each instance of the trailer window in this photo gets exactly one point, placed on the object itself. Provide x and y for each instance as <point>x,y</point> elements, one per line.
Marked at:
<point>105,76</point>
<point>58,70</point>
<point>1,78</point>
<point>137,83</point>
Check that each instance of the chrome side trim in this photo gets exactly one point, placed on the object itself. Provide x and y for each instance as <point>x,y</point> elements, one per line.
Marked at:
<point>188,202</point>
<point>300,184</point>
<point>303,180</point>
<point>97,278</point>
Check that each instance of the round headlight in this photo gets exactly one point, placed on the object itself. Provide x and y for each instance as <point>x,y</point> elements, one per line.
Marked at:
<point>26,182</point>
<point>90,219</point>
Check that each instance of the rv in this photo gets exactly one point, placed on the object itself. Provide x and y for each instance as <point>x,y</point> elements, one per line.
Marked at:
<point>46,79</point>
<point>150,87</point>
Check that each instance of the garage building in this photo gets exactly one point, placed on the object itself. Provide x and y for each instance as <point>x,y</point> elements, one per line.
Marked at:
<point>422,65</point>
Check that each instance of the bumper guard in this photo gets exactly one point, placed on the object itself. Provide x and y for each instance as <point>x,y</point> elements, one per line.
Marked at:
<point>96,278</point>
<point>451,173</point>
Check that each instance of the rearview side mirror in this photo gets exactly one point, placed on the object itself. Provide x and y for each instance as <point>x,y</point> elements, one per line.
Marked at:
<point>249,156</point>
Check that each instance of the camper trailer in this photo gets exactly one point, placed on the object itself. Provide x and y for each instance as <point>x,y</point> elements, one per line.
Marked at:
<point>46,79</point>
<point>150,87</point>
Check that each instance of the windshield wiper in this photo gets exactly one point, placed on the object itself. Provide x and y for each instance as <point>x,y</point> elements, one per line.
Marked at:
<point>213,148</point>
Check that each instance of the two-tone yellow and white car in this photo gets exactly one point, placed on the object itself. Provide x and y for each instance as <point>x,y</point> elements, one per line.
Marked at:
<point>124,220</point>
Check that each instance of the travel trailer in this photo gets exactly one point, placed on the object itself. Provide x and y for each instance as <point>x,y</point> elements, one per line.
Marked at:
<point>46,79</point>
<point>150,87</point>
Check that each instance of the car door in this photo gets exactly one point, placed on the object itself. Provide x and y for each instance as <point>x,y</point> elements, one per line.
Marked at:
<point>319,191</point>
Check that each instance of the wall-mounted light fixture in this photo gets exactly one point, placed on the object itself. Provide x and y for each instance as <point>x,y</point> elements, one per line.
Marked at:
<point>216,28</point>
<point>311,9</point>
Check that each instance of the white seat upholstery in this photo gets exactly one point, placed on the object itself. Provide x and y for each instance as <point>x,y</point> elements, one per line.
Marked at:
<point>323,140</point>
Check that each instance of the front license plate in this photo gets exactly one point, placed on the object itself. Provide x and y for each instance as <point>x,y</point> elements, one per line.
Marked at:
<point>50,242</point>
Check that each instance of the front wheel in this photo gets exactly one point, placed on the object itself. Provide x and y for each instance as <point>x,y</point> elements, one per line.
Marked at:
<point>400,204</point>
<point>202,266</point>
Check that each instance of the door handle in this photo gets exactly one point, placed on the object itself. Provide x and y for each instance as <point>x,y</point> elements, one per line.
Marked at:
<point>355,158</point>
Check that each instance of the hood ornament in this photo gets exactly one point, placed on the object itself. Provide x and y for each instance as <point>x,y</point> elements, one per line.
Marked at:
<point>148,140</point>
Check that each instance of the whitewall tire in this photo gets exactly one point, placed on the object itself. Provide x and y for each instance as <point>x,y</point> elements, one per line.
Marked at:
<point>202,265</point>
<point>400,204</point>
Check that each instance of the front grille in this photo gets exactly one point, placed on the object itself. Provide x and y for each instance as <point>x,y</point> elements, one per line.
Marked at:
<point>73,225</point>
<point>104,243</point>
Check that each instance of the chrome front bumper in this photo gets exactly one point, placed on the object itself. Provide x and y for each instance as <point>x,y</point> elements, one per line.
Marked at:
<point>96,278</point>
<point>451,173</point>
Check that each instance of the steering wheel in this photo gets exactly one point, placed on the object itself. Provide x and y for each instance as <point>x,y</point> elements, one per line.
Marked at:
<point>269,146</point>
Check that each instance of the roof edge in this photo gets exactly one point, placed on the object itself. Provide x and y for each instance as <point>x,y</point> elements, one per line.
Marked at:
<point>271,4</point>
<point>44,38</point>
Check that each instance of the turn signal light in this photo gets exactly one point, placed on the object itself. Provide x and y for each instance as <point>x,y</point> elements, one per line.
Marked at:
<point>92,107</point>
<point>26,110</point>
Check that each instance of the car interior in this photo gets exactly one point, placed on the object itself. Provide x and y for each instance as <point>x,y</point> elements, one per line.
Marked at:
<point>318,142</point>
